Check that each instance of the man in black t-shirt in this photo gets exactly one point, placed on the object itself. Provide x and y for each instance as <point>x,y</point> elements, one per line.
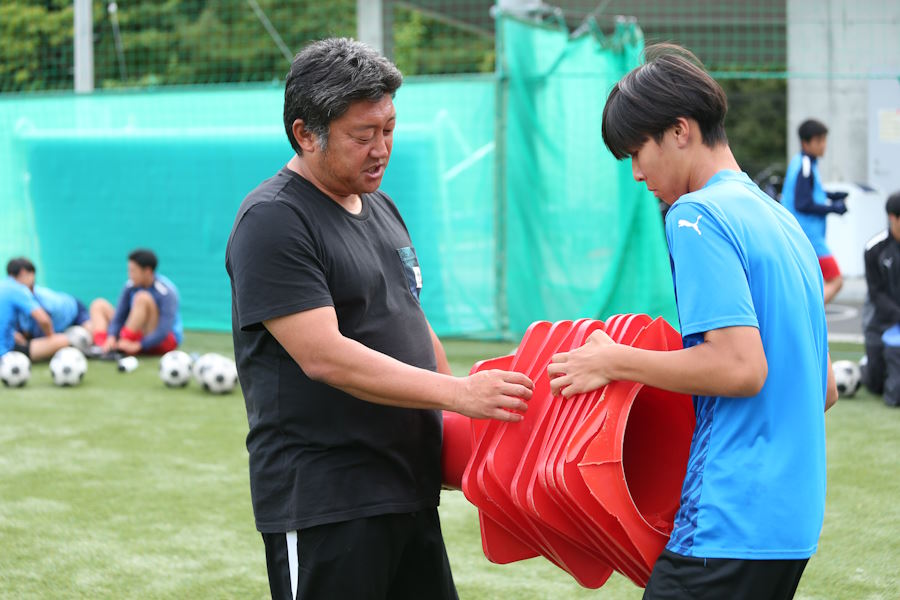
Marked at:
<point>342,375</point>
<point>881,310</point>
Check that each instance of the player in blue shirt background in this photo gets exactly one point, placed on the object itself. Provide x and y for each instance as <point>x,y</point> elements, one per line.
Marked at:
<point>802,194</point>
<point>749,294</point>
<point>65,310</point>
<point>17,301</point>
<point>146,318</point>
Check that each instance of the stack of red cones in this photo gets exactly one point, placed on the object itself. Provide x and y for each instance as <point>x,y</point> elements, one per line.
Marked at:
<point>592,482</point>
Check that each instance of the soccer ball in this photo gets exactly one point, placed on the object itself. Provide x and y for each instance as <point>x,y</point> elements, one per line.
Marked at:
<point>15,369</point>
<point>175,368</point>
<point>68,366</point>
<point>201,364</point>
<point>847,376</point>
<point>221,376</point>
<point>79,337</point>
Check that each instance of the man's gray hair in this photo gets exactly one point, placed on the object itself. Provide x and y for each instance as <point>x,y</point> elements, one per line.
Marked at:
<point>326,77</point>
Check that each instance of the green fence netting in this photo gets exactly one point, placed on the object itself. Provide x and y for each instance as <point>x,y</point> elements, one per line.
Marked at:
<point>583,238</point>
<point>542,224</point>
<point>91,177</point>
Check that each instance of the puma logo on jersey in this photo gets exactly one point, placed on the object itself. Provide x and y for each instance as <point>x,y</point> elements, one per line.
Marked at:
<point>887,261</point>
<point>694,225</point>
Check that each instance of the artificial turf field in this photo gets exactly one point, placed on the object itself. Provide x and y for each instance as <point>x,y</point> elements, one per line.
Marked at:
<point>122,488</point>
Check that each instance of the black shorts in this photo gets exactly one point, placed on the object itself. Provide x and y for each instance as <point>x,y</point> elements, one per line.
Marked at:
<point>677,577</point>
<point>82,315</point>
<point>385,557</point>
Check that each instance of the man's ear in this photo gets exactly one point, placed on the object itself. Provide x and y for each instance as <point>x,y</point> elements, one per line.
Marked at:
<point>305,138</point>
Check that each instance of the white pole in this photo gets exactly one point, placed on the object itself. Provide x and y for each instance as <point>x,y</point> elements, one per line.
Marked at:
<point>84,47</point>
<point>370,23</point>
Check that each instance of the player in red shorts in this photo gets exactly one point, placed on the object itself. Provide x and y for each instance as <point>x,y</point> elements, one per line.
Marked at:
<point>145,319</point>
<point>808,201</point>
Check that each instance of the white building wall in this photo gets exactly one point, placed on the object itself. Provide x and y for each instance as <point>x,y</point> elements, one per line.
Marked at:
<point>834,47</point>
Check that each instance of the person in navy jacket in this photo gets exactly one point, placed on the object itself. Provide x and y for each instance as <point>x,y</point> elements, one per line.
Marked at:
<point>145,319</point>
<point>804,196</point>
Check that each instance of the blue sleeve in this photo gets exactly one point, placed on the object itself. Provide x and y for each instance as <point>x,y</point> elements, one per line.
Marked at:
<point>123,307</point>
<point>28,327</point>
<point>803,195</point>
<point>25,300</point>
<point>168,308</point>
<point>710,271</point>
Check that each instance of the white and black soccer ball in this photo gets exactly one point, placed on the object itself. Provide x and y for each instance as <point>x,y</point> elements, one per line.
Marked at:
<point>15,369</point>
<point>175,368</point>
<point>201,364</point>
<point>79,337</point>
<point>847,376</point>
<point>221,376</point>
<point>68,366</point>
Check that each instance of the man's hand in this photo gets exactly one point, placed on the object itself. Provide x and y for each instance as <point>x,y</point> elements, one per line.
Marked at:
<point>19,339</point>
<point>129,346</point>
<point>583,369</point>
<point>493,395</point>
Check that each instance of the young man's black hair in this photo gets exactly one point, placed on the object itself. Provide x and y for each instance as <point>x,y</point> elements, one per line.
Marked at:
<point>649,100</point>
<point>810,129</point>
<point>892,206</point>
<point>19,264</point>
<point>144,258</point>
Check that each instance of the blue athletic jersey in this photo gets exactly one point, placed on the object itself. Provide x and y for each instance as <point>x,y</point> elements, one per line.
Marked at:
<point>62,308</point>
<point>755,483</point>
<point>165,295</point>
<point>803,195</point>
<point>15,300</point>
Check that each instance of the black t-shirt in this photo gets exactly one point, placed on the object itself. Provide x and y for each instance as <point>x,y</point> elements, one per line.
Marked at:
<point>317,454</point>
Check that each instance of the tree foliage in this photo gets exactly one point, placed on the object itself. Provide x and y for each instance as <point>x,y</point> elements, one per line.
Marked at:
<point>163,42</point>
<point>757,123</point>
<point>171,42</point>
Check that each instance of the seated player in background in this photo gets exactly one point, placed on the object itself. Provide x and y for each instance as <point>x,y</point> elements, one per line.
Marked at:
<point>65,310</point>
<point>881,310</point>
<point>17,300</point>
<point>803,195</point>
<point>145,319</point>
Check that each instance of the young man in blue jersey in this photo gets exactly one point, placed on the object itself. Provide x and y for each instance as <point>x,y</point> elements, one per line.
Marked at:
<point>65,310</point>
<point>749,295</point>
<point>802,194</point>
<point>145,319</point>
<point>16,302</point>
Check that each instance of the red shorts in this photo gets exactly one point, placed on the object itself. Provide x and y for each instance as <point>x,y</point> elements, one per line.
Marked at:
<point>829,267</point>
<point>167,345</point>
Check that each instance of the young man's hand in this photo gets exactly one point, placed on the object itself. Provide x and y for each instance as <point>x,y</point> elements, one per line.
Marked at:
<point>838,207</point>
<point>582,369</point>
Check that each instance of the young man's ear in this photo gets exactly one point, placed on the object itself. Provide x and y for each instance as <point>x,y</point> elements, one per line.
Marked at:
<point>682,131</point>
<point>305,138</point>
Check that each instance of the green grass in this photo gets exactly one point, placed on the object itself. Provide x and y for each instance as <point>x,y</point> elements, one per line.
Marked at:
<point>122,488</point>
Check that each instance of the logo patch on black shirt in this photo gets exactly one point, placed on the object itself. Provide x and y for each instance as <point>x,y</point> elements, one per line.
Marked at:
<point>411,269</point>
